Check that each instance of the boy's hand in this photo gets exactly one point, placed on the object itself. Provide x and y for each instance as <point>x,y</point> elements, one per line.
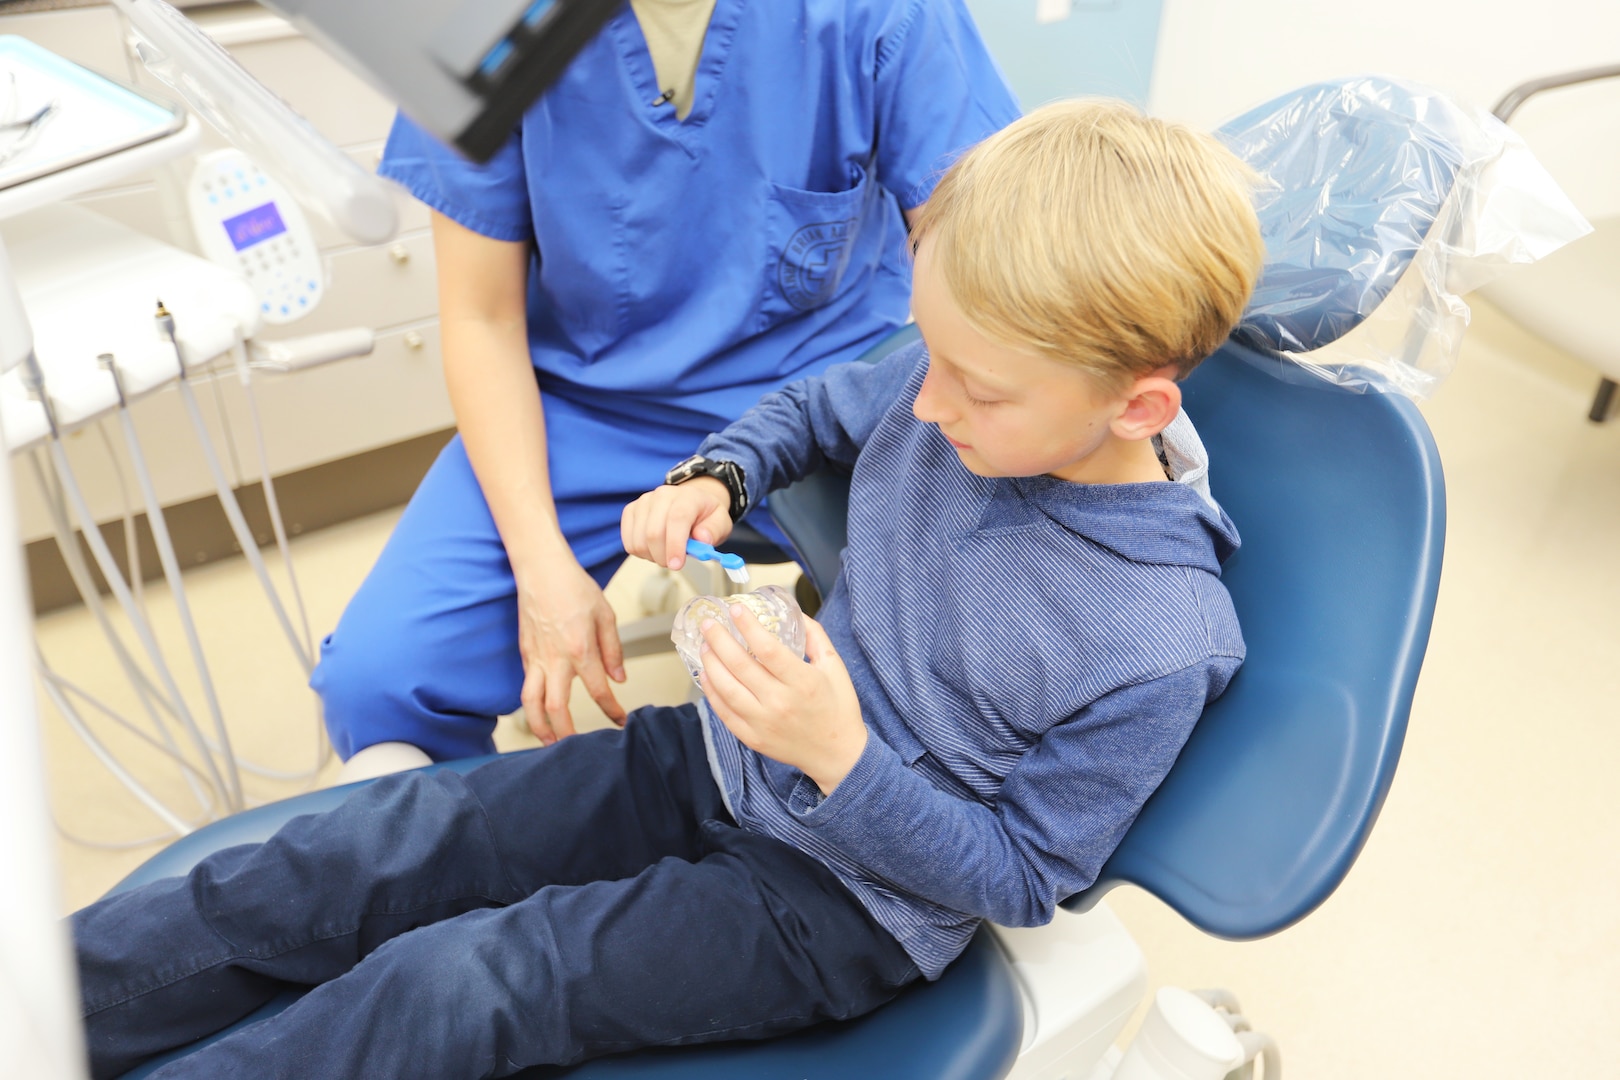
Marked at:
<point>804,715</point>
<point>657,525</point>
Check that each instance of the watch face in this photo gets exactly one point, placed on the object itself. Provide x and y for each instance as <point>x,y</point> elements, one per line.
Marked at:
<point>680,474</point>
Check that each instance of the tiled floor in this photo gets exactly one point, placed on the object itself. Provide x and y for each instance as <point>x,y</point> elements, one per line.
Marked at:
<point>1479,934</point>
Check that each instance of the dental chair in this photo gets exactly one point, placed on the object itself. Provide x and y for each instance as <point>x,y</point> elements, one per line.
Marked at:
<point>1339,499</point>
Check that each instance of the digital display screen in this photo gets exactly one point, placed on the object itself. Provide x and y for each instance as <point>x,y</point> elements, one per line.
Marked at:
<point>255,226</point>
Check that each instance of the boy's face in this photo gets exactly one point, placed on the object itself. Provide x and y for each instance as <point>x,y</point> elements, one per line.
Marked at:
<point>1011,411</point>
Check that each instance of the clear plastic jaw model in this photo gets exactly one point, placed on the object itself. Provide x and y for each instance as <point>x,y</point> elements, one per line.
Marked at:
<point>772,605</point>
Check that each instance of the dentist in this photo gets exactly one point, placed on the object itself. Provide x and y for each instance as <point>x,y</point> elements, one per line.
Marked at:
<point>710,203</point>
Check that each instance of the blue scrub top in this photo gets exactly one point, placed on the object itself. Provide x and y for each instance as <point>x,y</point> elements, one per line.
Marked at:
<point>682,269</point>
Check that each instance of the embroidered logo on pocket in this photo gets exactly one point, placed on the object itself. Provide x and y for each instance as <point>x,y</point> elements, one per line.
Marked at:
<point>813,262</point>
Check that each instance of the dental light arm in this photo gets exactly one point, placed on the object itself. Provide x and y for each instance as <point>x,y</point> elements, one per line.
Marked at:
<point>283,143</point>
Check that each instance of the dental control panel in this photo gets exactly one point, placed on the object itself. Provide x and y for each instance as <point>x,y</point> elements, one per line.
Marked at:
<point>246,221</point>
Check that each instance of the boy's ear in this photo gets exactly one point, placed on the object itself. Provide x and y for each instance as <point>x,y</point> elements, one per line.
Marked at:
<point>1151,402</point>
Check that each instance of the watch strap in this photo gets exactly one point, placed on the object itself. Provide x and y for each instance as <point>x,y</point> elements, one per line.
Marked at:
<point>728,473</point>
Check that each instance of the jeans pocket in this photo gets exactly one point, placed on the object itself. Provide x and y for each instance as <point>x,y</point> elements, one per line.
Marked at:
<point>811,243</point>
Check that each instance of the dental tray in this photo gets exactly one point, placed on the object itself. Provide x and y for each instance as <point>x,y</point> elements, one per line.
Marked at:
<point>90,118</point>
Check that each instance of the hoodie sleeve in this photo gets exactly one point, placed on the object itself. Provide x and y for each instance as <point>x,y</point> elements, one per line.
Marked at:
<point>1059,814</point>
<point>827,418</point>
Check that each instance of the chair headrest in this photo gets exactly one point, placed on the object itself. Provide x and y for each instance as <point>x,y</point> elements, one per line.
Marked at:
<point>1358,171</point>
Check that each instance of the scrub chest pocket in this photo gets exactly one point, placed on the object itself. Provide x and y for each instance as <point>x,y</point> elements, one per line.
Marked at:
<point>812,239</point>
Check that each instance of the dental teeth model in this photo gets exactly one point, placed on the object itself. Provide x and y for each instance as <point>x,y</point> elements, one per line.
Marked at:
<point>772,605</point>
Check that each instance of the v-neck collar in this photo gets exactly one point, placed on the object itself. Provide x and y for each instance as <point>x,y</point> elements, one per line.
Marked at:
<point>638,65</point>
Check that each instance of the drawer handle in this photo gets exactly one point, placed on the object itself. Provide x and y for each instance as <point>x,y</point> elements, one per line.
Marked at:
<point>400,254</point>
<point>413,340</point>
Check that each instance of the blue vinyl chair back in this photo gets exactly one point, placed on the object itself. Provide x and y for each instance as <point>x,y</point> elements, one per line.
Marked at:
<point>1340,502</point>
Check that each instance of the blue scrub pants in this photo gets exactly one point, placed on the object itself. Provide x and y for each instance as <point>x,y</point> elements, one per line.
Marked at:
<point>427,651</point>
<point>556,905</point>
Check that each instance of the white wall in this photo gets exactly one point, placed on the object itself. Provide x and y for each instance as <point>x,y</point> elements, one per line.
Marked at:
<point>1219,57</point>
<point>1099,47</point>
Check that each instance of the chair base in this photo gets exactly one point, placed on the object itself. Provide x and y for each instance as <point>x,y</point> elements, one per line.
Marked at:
<point>1080,979</point>
<point>1602,401</point>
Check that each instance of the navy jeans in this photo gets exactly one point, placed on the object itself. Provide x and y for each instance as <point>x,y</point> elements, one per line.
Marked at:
<point>555,905</point>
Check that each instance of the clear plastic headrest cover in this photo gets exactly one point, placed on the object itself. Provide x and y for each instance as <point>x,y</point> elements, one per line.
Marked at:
<point>1384,203</point>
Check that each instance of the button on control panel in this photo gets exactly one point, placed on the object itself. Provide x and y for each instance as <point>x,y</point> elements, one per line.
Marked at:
<point>245,220</point>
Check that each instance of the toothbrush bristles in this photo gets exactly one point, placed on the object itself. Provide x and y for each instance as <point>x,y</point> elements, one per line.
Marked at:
<point>739,575</point>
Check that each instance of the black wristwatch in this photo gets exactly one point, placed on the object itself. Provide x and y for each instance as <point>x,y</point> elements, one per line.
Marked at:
<point>728,473</point>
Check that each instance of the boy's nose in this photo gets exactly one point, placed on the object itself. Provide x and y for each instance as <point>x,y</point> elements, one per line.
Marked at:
<point>927,406</point>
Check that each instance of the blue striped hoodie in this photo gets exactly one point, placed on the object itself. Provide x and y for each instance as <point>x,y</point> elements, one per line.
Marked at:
<point>1030,655</point>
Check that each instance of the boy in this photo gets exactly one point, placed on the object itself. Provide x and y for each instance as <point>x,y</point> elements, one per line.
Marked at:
<point>1028,624</point>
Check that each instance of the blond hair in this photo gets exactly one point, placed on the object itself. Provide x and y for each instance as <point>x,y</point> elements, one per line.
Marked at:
<point>1099,236</point>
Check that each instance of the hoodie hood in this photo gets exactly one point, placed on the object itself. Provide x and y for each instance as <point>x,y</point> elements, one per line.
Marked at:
<point>1173,524</point>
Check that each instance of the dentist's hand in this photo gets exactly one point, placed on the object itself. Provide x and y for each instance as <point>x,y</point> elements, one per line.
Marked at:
<point>804,715</point>
<point>658,525</point>
<point>565,628</point>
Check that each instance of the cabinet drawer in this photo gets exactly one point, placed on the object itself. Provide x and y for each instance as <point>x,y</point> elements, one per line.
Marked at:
<point>379,287</point>
<point>325,413</point>
<point>340,105</point>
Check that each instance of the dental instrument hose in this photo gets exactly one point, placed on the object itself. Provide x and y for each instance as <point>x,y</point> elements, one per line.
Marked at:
<point>278,527</point>
<point>34,380</point>
<point>108,761</point>
<point>148,695</point>
<point>227,497</point>
<point>144,633</point>
<point>303,650</point>
<point>169,561</point>
<point>132,547</point>
<point>171,573</point>
<point>55,689</point>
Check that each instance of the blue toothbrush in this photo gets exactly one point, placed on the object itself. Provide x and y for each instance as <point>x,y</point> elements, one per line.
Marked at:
<point>731,564</point>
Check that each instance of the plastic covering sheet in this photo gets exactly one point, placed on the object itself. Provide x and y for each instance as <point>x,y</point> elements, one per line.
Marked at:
<point>260,124</point>
<point>1384,204</point>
